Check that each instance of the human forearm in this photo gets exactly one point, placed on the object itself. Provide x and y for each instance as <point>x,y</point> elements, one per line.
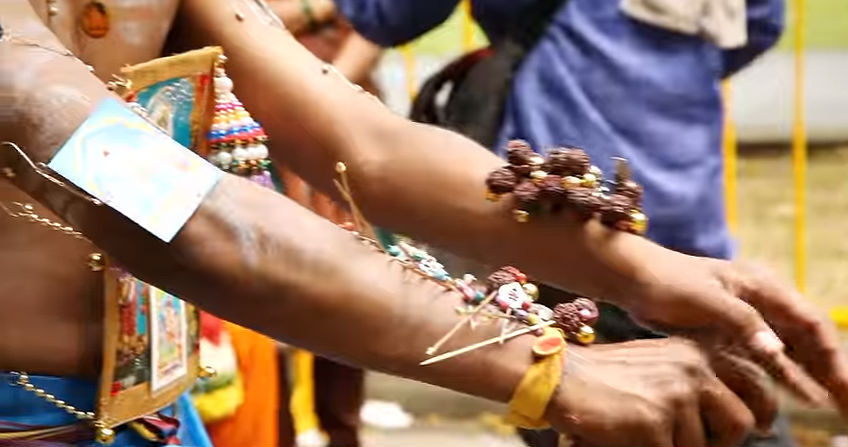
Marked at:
<point>294,15</point>
<point>417,179</point>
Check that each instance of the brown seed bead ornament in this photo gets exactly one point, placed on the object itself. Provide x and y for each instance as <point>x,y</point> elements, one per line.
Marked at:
<point>505,295</point>
<point>567,180</point>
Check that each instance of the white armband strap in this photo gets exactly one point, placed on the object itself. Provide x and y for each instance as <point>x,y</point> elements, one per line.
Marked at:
<point>132,166</point>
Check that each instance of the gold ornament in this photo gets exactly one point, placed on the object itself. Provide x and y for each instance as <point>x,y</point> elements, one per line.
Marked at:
<point>95,262</point>
<point>590,180</point>
<point>492,197</point>
<point>586,335</point>
<point>521,216</point>
<point>538,176</point>
<point>571,181</point>
<point>638,222</point>
<point>596,171</point>
<point>536,161</point>
<point>531,290</point>
<point>103,434</point>
<point>206,372</point>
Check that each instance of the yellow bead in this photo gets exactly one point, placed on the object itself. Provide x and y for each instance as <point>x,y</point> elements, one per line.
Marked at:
<point>521,216</point>
<point>538,176</point>
<point>532,319</point>
<point>589,180</point>
<point>104,435</point>
<point>638,222</point>
<point>492,197</point>
<point>596,171</point>
<point>207,372</point>
<point>95,262</point>
<point>571,182</point>
<point>586,335</point>
<point>531,290</point>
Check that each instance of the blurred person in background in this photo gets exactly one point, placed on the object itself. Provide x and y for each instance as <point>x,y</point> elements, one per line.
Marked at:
<point>631,78</point>
<point>337,390</point>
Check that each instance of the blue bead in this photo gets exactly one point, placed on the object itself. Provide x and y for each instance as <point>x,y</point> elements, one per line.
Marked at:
<point>479,296</point>
<point>393,250</point>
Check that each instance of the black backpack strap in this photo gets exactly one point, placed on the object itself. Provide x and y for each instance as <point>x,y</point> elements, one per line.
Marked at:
<point>481,81</point>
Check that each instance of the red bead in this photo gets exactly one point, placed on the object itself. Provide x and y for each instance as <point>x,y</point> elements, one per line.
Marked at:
<point>521,277</point>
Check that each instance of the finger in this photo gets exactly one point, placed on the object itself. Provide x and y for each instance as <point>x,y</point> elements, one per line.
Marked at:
<point>766,349</point>
<point>689,428</point>
<point>727,419</point>
<point>790,375</point>
<point>811,339</point>
<point>750,383</point>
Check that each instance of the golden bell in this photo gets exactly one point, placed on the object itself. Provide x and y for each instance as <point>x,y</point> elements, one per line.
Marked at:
<point>531,290</point>
<point>596,171</point>
<point>589,180</point>
<point>103,434</point>
<point>492,197</point>
<point>206,372</point>
<point>538,176</point>
<point>586,335</point>
<point>638,222</point>
<point>521,216</point>
<point>95,262</point>
<point>536,161</point>
<point>571,182</point>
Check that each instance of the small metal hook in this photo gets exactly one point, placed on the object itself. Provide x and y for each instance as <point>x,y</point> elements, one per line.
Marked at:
<point>41,169</point>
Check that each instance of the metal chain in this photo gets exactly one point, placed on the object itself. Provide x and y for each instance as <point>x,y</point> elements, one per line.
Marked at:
<point>15,40</point>
<point>27,211</point>
<point>23,382</point>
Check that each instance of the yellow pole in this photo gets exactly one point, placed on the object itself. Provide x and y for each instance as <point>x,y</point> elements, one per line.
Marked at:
<point>799,152</point>
<point>409,69</point>
<point>730,151</point>
<point>467,26</point>
<point>302,401</point>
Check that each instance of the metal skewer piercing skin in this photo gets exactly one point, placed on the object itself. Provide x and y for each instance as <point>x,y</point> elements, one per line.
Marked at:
<point>505,295</point>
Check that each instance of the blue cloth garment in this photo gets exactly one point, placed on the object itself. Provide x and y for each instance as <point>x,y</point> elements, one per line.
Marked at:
<point>616,87</point>
<point>23,407</point>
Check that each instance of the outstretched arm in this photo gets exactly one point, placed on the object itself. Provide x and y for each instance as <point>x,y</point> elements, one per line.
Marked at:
<point>428,183</point>
<point>257,258</point>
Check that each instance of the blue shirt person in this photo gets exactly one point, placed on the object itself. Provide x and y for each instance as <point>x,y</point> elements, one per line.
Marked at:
<point>616,87</point>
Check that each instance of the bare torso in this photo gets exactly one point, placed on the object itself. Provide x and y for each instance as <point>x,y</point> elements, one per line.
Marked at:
<point>51,302</point>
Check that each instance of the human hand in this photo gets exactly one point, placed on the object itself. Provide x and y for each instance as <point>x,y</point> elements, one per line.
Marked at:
<point>738,307</point>
<point>655,393</point>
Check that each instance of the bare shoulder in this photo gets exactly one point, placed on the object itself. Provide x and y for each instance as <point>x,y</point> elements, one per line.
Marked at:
<point>108,34</point>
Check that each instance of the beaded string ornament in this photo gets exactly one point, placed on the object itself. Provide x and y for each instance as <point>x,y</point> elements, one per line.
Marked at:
<point>567,180</point>
<point>505,295</point>
<point>236,141</point>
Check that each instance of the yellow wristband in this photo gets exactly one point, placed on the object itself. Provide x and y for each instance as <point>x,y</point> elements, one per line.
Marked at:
<point>531,397</point>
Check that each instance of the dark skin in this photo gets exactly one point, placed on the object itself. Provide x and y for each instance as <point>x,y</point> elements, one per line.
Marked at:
<point>282,282</point>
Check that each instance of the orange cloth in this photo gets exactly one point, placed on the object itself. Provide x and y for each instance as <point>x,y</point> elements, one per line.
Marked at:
<point>255,423</point>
